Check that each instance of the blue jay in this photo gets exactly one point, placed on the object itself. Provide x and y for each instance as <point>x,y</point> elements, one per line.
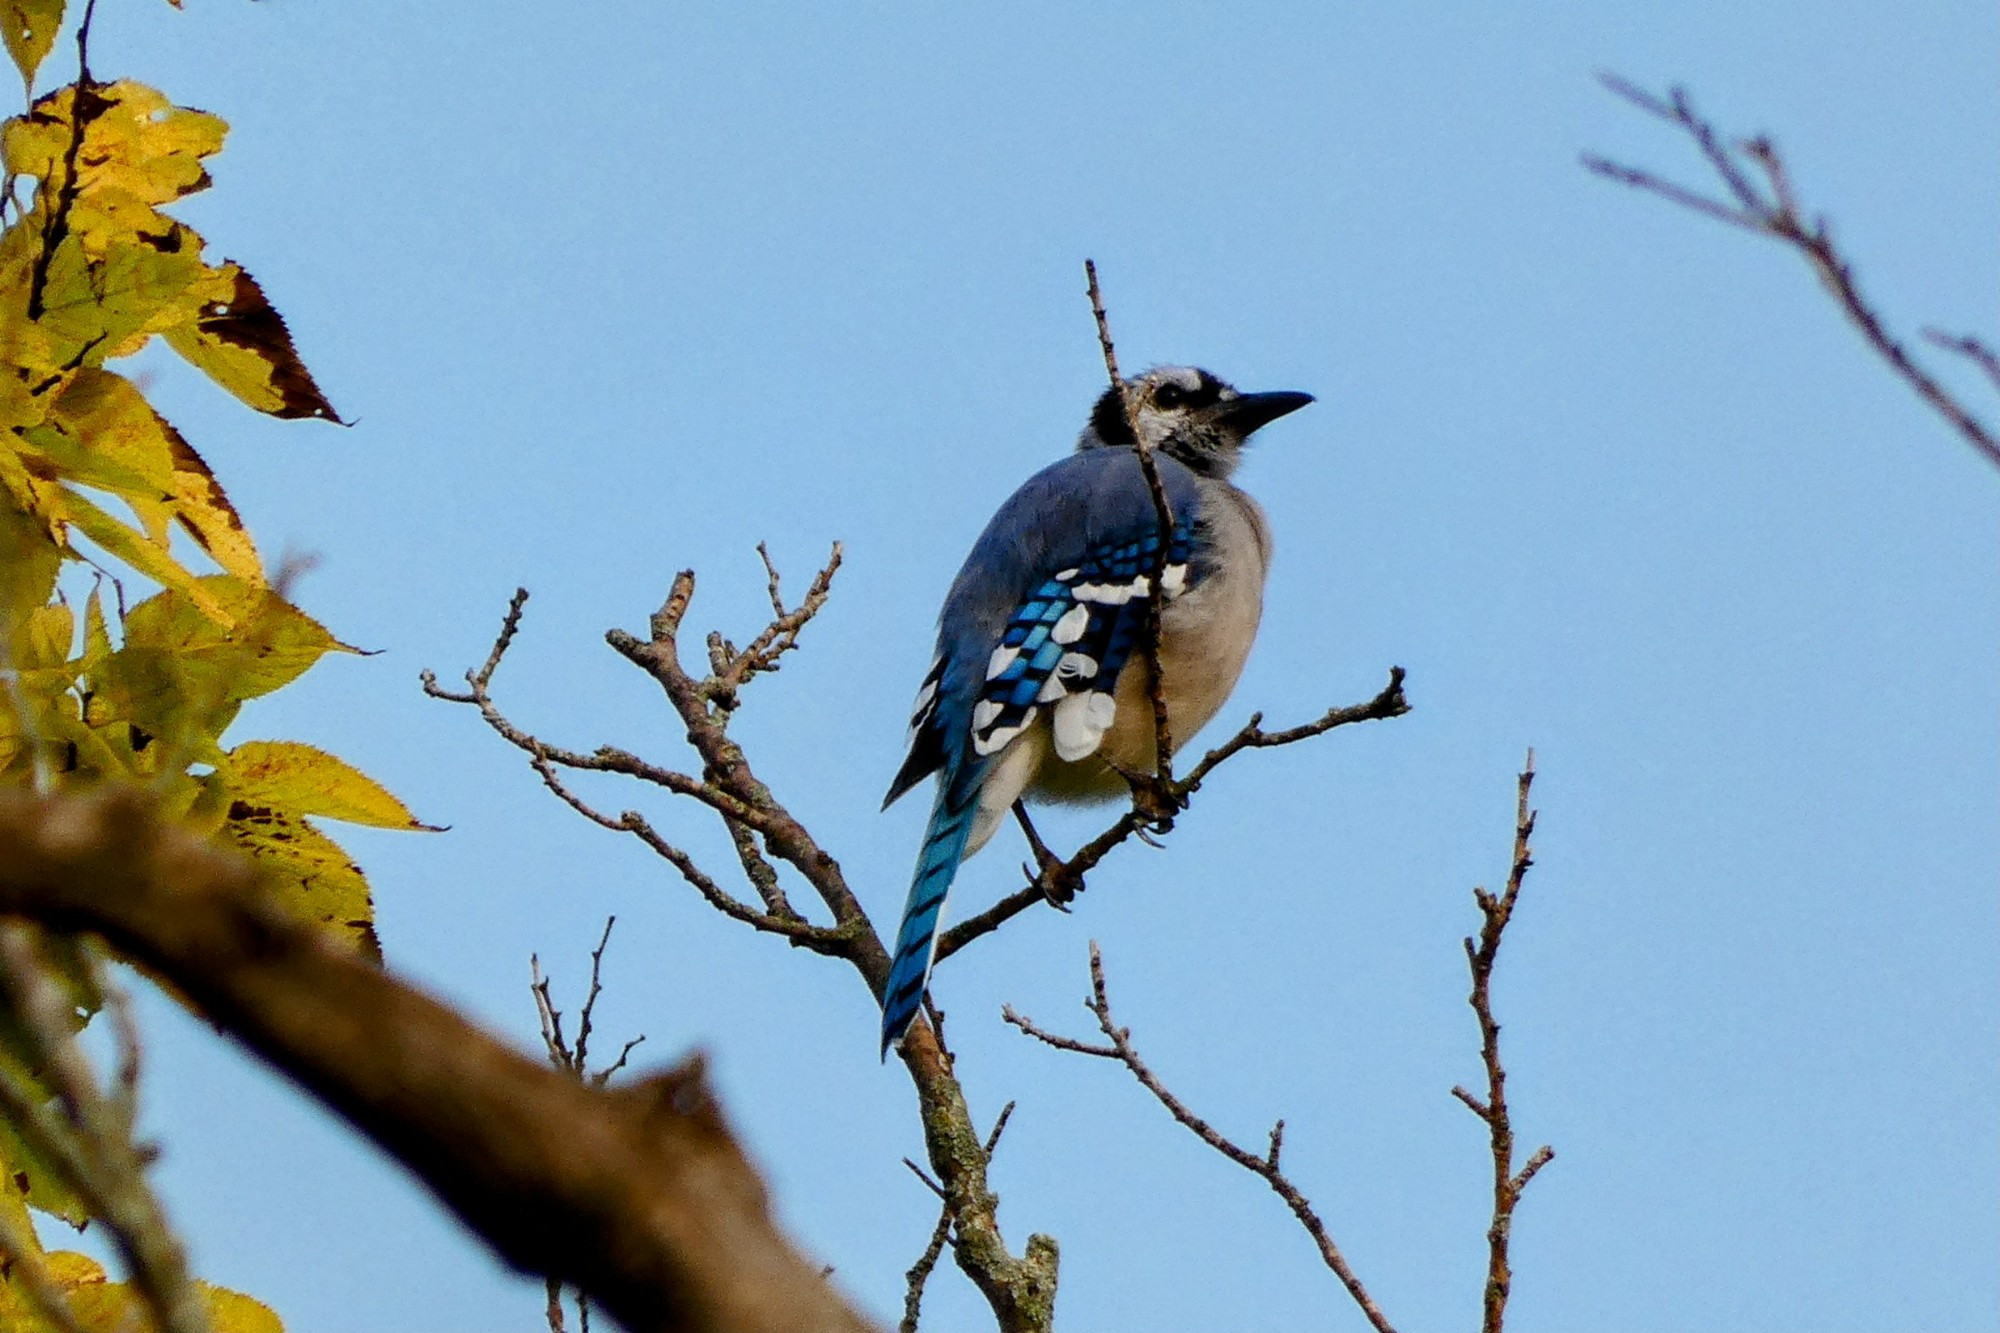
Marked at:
<point>1029,693</point>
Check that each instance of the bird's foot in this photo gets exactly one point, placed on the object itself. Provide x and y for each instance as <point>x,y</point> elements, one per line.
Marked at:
<point>1050,873</point>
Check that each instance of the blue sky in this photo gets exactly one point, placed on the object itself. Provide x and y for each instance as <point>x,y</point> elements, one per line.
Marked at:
<point>618,288</point>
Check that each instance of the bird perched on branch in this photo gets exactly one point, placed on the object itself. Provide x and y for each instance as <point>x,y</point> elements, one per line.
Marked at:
<point>1040,686</point>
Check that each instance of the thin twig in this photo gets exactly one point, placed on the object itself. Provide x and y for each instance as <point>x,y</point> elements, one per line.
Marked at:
<point>1481,955</point>
<point>574,1059</point>
<point>1060,881</point>
<point>793,927</point>
<point>1158,801</point>
<point>1120,1048</point>
<point>1969,347</point>
<point>1762,199</point>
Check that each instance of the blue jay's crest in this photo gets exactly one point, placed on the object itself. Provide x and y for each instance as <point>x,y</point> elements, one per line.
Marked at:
<point>1048,608</point>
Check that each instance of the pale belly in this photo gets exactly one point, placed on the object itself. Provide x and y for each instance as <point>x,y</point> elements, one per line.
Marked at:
<point>1204,643</point>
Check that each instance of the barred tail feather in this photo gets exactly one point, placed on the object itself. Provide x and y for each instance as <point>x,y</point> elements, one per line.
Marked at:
<point>916,941</point>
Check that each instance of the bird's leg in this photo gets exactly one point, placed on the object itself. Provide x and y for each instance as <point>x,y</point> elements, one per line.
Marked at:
<point>1052,875</point>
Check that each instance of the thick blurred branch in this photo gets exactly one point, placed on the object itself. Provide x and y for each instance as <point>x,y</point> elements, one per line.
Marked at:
<point>1265,1166</point>
<point>1760,198</point>
<point>638,1195</point>
<point>1481,955</point>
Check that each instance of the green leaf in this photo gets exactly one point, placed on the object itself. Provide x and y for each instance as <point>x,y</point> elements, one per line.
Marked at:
<point>181,674</point>
<point>30,32</point>
<point>29,560</point>
<point>309,781</point>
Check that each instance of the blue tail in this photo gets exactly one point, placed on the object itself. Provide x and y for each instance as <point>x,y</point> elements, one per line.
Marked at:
<point>937,865</point>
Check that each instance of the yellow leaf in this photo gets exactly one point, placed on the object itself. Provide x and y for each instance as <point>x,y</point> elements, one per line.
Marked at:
<point>310,870</point>
<point>30,31</point>
<point>96,635</point>
<point>25,1181</point>
<point>260,643</point>
<point>111,287</point>
<point>240,341</point>
<point>113,423</point>
<point>113,439</point>
<point>99,1305</point>
<point>309,781</point>
<point>181,675</point>
<point>134,549</point>
<point>203,508</point>
<point>135,140</point>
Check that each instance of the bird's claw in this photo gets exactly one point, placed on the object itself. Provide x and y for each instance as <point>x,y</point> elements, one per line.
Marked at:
<point>1056,892</point>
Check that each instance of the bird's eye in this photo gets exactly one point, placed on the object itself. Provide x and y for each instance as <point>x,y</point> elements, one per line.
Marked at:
<point>1169,395</point>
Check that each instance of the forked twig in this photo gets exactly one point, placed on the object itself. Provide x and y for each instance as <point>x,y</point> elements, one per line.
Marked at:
<point>1762,199</point>
<point>1118,1046</point>
<point>920,1272</point>
<point>1480,956</point>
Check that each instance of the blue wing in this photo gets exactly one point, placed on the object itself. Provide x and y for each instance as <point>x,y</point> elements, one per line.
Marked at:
<point>1044,614</point>
<point>1065,646</point>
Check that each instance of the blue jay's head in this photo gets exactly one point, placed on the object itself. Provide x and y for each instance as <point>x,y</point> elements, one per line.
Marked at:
<point>1189,415</point>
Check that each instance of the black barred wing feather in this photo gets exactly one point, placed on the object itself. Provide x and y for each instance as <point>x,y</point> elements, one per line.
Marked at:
<point>1065,645</point>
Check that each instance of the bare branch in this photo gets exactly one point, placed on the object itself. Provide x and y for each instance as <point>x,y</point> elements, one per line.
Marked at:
<point>1058,882</point>
<point>1969,347</point>
<point>1765,201</point>
<point>1157,800</point>
<point>1481,955</point>
<point>1265,1168</point>
<point>1020,1289</point>
<point>920,1272</point>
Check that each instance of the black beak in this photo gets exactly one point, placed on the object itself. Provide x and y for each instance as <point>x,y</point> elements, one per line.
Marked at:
<point>1247,412</point>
